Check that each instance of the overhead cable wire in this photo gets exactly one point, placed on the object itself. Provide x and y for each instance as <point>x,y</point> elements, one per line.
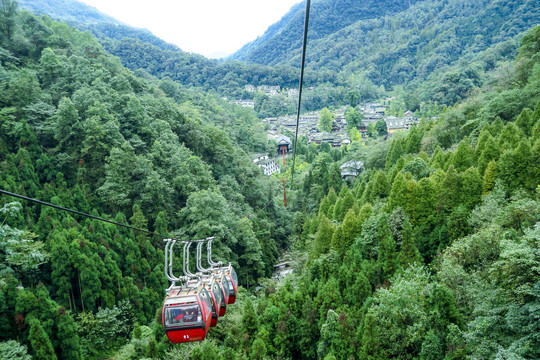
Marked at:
<point>223,233</point>
<point>304,46</point>
<point>79,213</point>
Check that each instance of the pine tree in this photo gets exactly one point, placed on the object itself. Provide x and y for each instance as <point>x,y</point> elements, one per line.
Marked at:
<point>351,228</point>
<point>324,205</point>
<point>410,206</point>
<point>41,344</point>
<point>450,189</point>
<point>332,196</point>
<point>509,137</point>
<point>334,176</point>
<point>534,174</point>
<point>525,166</point>
<point>458,224</point>
<point>490,175</point>
<point>338,239</point>
<point>381,188</point>
<point>409,253</point>
<point>357,188</point>
<point>471,188</point>
<point>250,322</point>
<point>67,335</point>
<point>491,152</point>
<point>323,237</point>
<point>525,121</point>
<point>514,166</point>
<point>161,224</point>
<point>426,203</point>
<point>463,158</point>
<point>386,248</point>
<point>395,153</point>
<point>366,195</point>
<point>396,169</point>
<point>414,140</point>
<point>398,192</point>
<point>484,136</point>
<point>345,205</point>
<point>437,159</point>
<point>497,127</point>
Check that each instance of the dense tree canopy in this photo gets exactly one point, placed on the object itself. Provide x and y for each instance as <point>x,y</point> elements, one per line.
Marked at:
<point>432,249</point>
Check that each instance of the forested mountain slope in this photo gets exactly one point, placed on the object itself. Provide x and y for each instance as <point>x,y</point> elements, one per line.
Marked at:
<point>140,49</point>
<point>326,17</point>
<point>68,10</point>
<point>426,38</point>
<point>433,252</point>
<point>81,131</point>
<point>85,17</point>
<point>447,45</point>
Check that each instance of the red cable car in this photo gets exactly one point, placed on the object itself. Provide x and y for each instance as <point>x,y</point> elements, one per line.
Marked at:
<point>224,294</point>
<point>187,314</point>
<point>216,294</point>
<point>231,280</point>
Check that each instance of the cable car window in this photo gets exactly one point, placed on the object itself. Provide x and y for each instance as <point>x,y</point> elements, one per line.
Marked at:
<point>223,303</point>
<point>231,286</point>
<point>235,278</point>
<point>205,299</point>
<point>182,315</point>
<point>217,292</point>
<point>182,300</point>
<point>225,285</point>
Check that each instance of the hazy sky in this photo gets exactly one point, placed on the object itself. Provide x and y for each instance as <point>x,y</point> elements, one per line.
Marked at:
<point>213,28</point>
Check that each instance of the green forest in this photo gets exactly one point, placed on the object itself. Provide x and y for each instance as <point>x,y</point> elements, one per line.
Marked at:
<point>432,252</point>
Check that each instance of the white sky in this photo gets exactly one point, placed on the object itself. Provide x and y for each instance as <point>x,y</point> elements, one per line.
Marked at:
<point>213,28</point>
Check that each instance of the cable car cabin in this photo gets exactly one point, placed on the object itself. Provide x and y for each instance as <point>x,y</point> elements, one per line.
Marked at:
<point>224,288</point>
<point>216,295</point>
<point>187,314</point>
<point>231,279</point>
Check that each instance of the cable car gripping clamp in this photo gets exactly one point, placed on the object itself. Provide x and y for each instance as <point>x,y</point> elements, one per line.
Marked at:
<point>188,275</point>
<point>169,255</point>
<point>209,251</point>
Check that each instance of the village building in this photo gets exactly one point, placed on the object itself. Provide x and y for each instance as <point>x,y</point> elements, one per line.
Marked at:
<point>374,108</point>
<point>269,90</point>
<point>268,165</point>
<point>351,169</point>
<point>292,93</point>
<point>405,122</point>
<point>259,157</point>
<point>284,144</point>
<point>369,118</point>
<point>250,88</point>
<point>246,103</point>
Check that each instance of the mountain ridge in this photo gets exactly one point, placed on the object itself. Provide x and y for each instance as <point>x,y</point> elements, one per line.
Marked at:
<point>326,17</point>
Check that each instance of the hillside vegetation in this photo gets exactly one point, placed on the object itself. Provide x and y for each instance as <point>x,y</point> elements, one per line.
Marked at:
<point>81,131</point>
<point>432,252</point>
